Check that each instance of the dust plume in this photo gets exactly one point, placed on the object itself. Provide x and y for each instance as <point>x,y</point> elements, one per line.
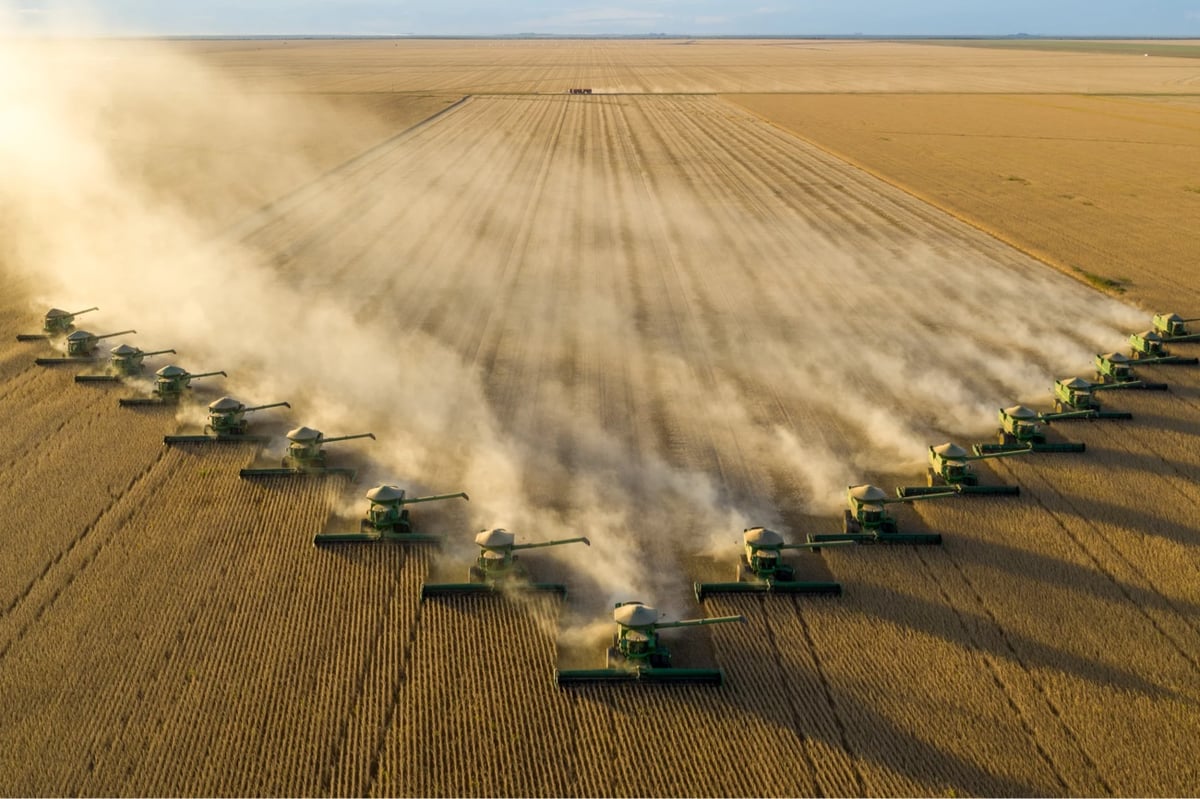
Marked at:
<point>586,341</point>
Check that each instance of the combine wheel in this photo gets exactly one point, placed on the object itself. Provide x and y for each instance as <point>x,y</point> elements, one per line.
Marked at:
<point>888,528</point>
<point>475,575</point>
<point>660,660</point>
<point>930,477</point>
<point>849,523</point>
<point>740,575</point>
<point>612,658</point>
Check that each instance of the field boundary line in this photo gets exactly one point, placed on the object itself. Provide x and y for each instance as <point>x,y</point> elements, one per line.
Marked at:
<point>999,235</point>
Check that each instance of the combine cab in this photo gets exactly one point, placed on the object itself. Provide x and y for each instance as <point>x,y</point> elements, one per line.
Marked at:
<point>123,361</point>
<point>949,465</point>
<point>867,521</point>
<point>1113,368</point>
<point>638,655</point>
<point>761,570</point>
<point>496,567</point>
<point>1148,347</point>
<point>386,518</point>
<point>1173,327</point>
<point>55,323</point>
<point>1074,395</point>
<point>1020,430</point>
<point>226,422</point>
<point>81,347</point>
<point>169,384</point>
<point>306,455</point>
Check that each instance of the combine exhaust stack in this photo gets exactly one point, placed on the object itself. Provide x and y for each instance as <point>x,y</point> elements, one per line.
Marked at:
<point>123,361</point>
<point>761,570</point>
<point>637,655</point>
<point>386,518</point>
<point>226,422</point>
<point>306,455</point>
<point>949,466</point>
<point>81,347</point>
<point>55,323</point>
<point>169,384</point>
<point>496,568</point>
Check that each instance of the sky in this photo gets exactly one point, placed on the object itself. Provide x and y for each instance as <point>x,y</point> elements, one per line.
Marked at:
<point>578,17</point>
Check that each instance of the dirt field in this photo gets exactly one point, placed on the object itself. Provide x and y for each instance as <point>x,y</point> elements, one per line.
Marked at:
<point>651,318</point>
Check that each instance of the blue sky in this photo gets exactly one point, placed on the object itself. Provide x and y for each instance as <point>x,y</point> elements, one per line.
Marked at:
<point>698,17</point>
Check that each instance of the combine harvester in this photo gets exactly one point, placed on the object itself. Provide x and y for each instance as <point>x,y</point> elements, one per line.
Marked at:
<point>55,323</point>
<point>226,422</point>
<point>81,347</point>
<point>306,456</point>
<point>386,518</point>
<point>169,384</point>
<point>496,567</point>
<point>866,521</point>
<point>1020,429</point>
<point>638,655</point>
<point>1115,369</point>
<point>1074,395</point>
<point>1148,347</point>
<point>123,361</point>
<point>761,570</point>
<point>1173,327</point>
<point>949,465</point>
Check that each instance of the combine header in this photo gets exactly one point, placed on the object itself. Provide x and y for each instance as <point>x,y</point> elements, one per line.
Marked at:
<point>1173,327</point>
<point>226,422</point>
<point>866,521</point>
<point>496,567</point>
<point>386,518</point>
<point>949,465</point>
<point>637,654</point>
<point>1020,430</point>
<point>55,323</point>
<point>169,384</point>
<point>81,347</point>
<point>1148,347</point>
<point>1074,395</point>
<point>306,455</point>
<point>761,570</point>
<point>1114,368</point>
<point>123,361</point>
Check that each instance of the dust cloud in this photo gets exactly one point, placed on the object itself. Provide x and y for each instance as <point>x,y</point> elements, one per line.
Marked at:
<point>512,344</point>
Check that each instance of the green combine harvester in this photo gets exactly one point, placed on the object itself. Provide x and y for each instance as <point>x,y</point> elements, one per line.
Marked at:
<point>123,361</point>
<point>306,455</point>
<point>1148,347</point>
<point>55,323</point>
<point>761,570</point>
<point>1020,429</point>
<point>496,567</point>
<point>1076,395</point>
<point>386,518</point>
<point>949,465</point>
<point>226,422</point>
<point>81,347</point>
<point>169,384</point>
<point>867,522</point>
<point>1114,368</point>
<point>1173,327</point>
<point>637,655</point>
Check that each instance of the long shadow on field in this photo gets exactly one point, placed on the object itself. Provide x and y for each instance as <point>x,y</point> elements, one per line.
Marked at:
<point>955,625</point>
<point>1027,565</point>
<point>803,699</point>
